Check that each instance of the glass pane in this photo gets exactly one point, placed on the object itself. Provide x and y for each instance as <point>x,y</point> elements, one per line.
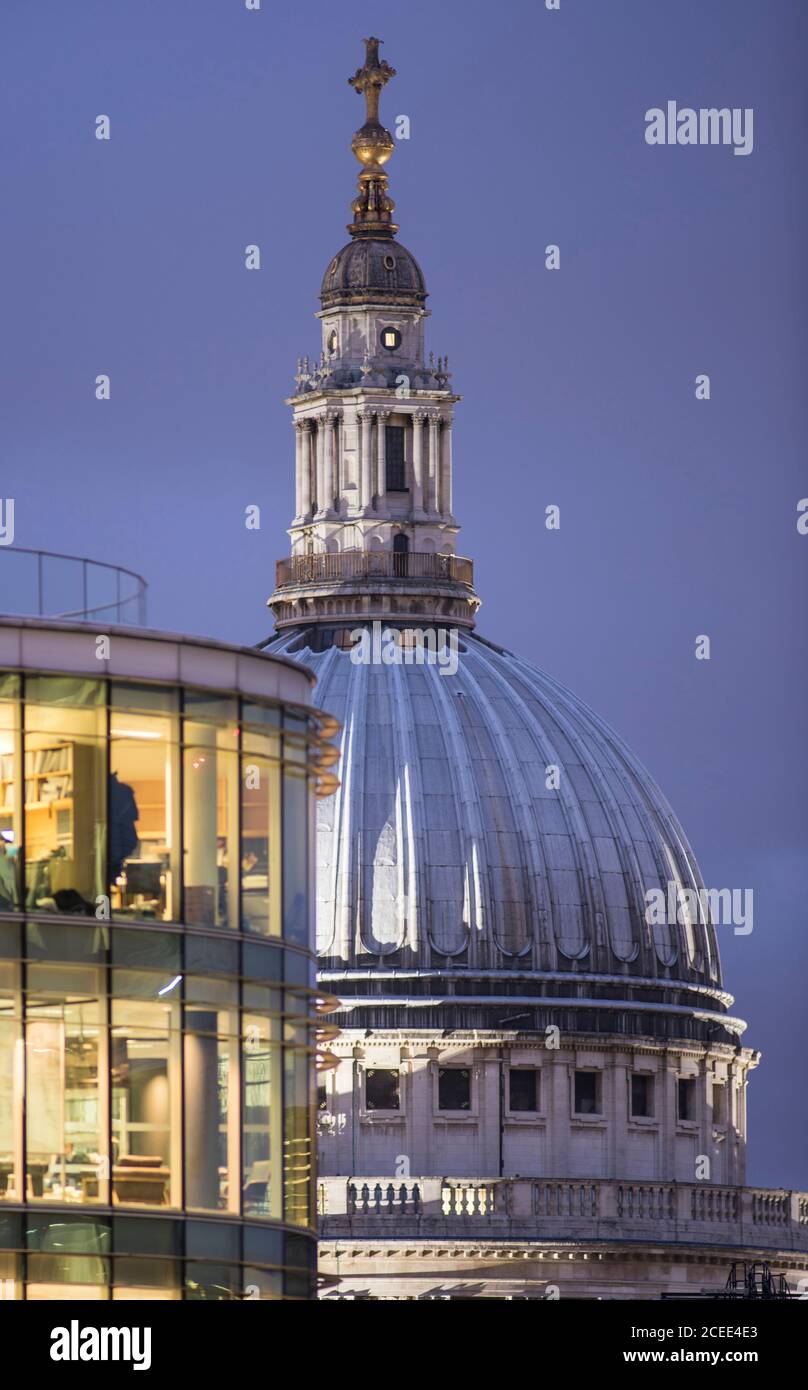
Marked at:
<point>261,1117</point>
<point>156,950</point>
<point>143,816</point>
<point>295,857</point>
<point>298,1127</point>
<point>85,943</point>
<point>265,716</point>
<point>262,1284</point>
<point>212,1283</point>
<point>211,1109</point>
<point>211,824</point>
<point>65,795</point>
<point>145,1277</point>
<point>10,796</point>
<point>65,1251</point>
<point>10,1186</point>
<point>145,1099</point>
<point>295,743</point>
<point>147,699</point>
<point>260,846</point>
<point>65,1133</point>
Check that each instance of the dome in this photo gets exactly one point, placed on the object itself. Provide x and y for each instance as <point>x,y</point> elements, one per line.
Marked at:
<point>448,843</point>
<point>371,268</point>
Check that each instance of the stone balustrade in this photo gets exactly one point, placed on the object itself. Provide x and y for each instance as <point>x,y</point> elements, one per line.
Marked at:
<point>562,1209</point>
<point>353,565</point>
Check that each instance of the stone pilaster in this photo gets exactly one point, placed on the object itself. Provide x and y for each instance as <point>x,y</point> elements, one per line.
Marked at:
<point>445,497</point>
<point>304,440</point>
<point>365,420</point>
<point>320,470</point>
<point>418,417</point>
<point>433,475</point>
<point>381,460</point>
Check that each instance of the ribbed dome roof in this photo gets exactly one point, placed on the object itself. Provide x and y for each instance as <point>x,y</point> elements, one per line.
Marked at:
<point>369,268</point>
<point>445,842</point>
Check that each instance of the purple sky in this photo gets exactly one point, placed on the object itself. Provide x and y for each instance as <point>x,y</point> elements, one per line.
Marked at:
<point>678,516</point>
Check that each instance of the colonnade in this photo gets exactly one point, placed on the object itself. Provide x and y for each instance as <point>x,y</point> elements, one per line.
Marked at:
<point>321,462</point>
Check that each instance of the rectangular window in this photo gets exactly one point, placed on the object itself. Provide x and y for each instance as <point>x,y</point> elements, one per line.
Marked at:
<point>642,1095</point>
<point>396,479</point>
<point>687,1100</point>
<point>719,1105</point>
<point>587,1093</point>
<point>65,802</point>
<point>382,1090</point>
<point>63,1250</point>
<point>262,1116</point>
<point>523,1089</point>
<point>298,1128</point>
<point>261,829</point>
<point>145,1065</point>
<point>210,799</point>
<point>454,1088</point>
<point>211,1107</point>
<point>143,804</point>
<point>10,799</point>
<point>65,1100</point>
<point>10,1100</point>
<point>296,925</point>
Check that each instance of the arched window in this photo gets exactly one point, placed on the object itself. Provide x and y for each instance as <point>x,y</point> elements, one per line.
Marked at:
<point>401,547</point>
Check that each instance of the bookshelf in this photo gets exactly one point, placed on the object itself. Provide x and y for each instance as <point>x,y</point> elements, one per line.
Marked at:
<point>61,795</point>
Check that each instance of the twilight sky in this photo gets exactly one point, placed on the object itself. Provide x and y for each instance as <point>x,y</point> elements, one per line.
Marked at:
<point>678,517</point>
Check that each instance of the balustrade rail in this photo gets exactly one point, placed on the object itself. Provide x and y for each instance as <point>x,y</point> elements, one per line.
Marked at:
<point>372,564</point>
<point>540,1208</point>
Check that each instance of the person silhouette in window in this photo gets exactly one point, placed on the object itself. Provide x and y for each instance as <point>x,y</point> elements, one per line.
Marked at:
<point>123,817</point>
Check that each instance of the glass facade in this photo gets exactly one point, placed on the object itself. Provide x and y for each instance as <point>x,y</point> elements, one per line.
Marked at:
<point>157,1028</point>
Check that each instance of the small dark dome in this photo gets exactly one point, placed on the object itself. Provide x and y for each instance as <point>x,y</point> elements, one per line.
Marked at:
<point>369,268</point>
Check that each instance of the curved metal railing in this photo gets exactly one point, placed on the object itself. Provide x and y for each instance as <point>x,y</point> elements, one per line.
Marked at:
<point>46,584</point>
<point>372,564</point>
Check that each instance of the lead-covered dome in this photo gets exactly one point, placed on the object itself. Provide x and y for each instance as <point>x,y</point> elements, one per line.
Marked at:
<point>373,269</point>
<point>448,842</point>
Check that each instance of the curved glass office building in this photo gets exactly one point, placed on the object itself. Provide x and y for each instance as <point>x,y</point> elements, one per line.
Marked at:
<point>158,1011</point>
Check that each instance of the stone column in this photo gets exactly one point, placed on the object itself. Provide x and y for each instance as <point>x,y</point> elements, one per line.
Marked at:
<point>320,483</point>
<point>418,418</point>
<point>366,464</point>
<point>381,453</point>
<point>201,1110</point>
<point>298,468</point>
<point>433,487</point>
<point>327,500</point>
<point>339,446</point>
<point>445,495</point>
<point>305,467</point>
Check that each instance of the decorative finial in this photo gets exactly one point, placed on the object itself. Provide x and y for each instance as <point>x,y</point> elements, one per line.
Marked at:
<point>373,145</point>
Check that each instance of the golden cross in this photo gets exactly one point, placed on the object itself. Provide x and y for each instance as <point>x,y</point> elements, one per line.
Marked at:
<point>370,79</point>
